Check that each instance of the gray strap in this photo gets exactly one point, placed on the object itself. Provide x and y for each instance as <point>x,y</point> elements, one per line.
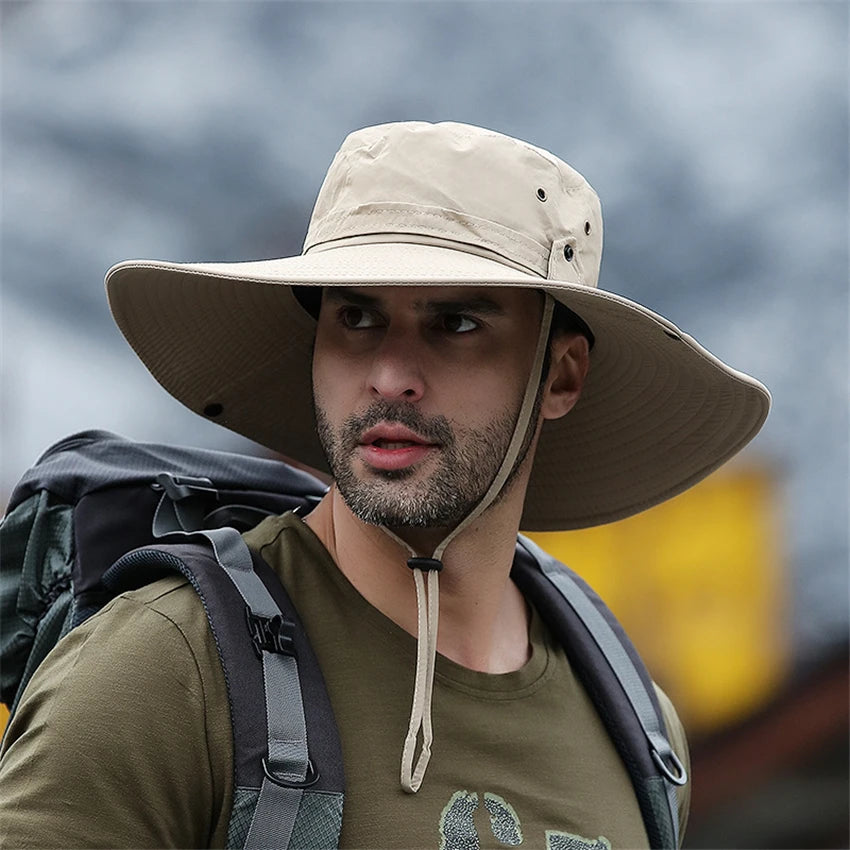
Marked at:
<point>287,737</point>
<point>623,668</point>
<point>167,520</point>
<point>287,762</point>
<point>274,817</point>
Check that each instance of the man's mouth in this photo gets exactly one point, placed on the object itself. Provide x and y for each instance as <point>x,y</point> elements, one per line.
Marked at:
<point>392,435</point>
<point>390,446</point>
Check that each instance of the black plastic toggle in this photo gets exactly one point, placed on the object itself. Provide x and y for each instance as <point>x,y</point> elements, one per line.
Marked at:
<point>425,564</point>
<point>270,634</point>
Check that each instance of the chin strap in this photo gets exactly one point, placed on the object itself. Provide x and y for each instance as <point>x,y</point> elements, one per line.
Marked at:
<point>428,593</point>
<point>428,608</point>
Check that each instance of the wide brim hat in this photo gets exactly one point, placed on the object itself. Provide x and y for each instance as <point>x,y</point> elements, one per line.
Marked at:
<point>417,204</point>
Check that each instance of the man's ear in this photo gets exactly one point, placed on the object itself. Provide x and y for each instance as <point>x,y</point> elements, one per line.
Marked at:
<point>570,360</point>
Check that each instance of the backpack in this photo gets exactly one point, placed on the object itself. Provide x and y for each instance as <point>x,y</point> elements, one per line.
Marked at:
<point>98,515</point>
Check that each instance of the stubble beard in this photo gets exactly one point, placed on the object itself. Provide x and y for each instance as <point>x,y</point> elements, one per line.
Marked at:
<point>469,460</point>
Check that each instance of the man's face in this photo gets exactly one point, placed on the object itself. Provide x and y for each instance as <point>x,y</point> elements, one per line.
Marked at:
<point>417,390</point>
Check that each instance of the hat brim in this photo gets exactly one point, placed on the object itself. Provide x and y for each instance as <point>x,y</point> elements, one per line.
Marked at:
<point>229,340</point>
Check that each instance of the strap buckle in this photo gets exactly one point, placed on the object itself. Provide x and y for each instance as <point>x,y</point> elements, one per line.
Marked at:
<point>270,634</point>
<point>179,487</point>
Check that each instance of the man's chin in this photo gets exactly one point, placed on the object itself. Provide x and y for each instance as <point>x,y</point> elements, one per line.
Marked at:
<point>378,502</point>
<point>404,474</point>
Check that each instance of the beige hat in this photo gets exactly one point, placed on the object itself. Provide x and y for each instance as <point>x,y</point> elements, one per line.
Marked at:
<point>449,204</point>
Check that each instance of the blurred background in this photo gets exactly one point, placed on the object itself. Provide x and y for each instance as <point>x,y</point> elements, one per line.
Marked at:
<point>716,134</point>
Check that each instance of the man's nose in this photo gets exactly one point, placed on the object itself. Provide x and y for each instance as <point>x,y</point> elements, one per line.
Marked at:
<point>396,373</point>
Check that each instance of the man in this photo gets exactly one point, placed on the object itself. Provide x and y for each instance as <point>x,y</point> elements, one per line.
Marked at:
<point>468,379</point>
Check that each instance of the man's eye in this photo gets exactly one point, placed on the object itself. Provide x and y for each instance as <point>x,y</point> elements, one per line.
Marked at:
<point>457,323</point>
<point>356,318</point>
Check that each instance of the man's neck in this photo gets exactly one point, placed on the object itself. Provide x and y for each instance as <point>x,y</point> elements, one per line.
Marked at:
<point>483,617</point>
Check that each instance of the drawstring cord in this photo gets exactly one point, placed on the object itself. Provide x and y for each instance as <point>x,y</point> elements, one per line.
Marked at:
<point>428,605</point>
<point>428,592</point>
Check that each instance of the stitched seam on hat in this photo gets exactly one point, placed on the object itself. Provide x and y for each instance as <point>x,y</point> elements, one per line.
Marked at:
<point>429,240</point>
<point>504,232</point>
<point>527,251</point>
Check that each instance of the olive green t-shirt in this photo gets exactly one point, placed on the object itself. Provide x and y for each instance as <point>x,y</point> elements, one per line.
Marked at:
<point>123,737</point>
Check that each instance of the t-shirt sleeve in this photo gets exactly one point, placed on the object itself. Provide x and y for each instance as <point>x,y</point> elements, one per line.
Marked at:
<point>680,746</point>
<point>117,741</point>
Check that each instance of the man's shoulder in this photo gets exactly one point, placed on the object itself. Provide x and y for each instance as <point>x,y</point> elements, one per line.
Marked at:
<point>162,609</point>
<point>130,709</point>
<point>147,653</point>
<point>288,525</point>
<point>130,636</point>
<point>164,593</point>
<point>169,595</point>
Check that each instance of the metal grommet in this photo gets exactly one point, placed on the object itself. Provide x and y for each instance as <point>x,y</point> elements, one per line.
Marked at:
<point>568,252</point>
<point>587,228</point>
<point>213,410</point>
<point>541,194</point>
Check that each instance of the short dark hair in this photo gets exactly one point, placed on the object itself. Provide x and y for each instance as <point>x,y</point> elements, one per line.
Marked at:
<point>565,320</point>
<point>309,297</point>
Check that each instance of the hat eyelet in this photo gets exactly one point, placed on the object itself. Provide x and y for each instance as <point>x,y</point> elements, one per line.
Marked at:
<point>541,194</point>
<point>587,228</point>
<point>213,410</point>
<point>568,252</point>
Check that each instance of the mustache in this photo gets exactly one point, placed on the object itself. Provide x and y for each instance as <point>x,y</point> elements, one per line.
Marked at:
<point>434,429</point>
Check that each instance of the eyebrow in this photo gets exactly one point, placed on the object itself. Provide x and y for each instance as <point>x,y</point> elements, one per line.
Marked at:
<point>478,304</point>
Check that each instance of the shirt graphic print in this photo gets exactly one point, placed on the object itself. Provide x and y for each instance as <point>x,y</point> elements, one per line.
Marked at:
<point>459,831</point>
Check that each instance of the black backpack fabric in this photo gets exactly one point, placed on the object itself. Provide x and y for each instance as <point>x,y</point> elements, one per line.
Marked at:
<point>98,515</point>
<point>93,497</point>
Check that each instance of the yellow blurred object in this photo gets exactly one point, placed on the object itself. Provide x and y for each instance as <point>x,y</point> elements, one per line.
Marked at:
<point>698,584</point>
<point>4,717</point>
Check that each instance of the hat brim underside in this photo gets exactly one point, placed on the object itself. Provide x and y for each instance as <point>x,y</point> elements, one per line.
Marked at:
<point>657,414</point>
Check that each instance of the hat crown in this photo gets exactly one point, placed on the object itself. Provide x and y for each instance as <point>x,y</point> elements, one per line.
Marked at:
<point>463,187</point>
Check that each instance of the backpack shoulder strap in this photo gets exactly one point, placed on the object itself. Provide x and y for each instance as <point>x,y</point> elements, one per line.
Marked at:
<point>616,679</point>
<point>289,783</point>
